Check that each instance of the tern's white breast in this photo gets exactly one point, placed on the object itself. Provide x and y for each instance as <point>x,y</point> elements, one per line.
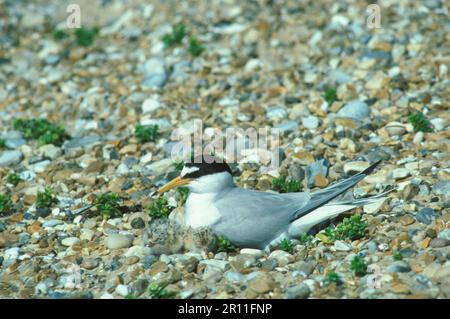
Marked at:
<point>200,210</point>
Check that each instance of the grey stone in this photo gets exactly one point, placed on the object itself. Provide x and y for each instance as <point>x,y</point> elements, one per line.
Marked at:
<point>234,277</point>
<point>118,241</point>
<point>15,143</point>
<point>310,122</point>
<point>318,167</point>
<point>442,188</point>
<point>398,266</point>
<point>287,127</point>
<point>445,234</point>
<point>355,109</point>
<point>426,216</point>
<point>301,291</point>
<point>276,113</point>
<point>137,223</point>
<point>10,158</point>
<point>81,142</point>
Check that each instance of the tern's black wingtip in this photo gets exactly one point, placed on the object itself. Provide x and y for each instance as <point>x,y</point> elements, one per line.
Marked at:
<point>371,168</point>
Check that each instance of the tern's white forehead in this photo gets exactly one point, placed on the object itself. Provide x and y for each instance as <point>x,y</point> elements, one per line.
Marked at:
<point>189,170</point>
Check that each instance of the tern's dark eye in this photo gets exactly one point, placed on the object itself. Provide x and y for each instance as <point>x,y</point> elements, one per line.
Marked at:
<point>204,165</point>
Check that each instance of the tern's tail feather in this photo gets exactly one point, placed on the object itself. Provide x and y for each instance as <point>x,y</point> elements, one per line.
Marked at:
<point>323,196</point>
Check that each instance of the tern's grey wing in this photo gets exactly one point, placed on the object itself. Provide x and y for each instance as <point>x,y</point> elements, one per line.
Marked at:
<point>323,196</point>
<point>252,219</point>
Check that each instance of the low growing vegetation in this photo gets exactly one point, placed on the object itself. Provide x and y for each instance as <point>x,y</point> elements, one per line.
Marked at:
<point>146,134</point>
<point>332,277</point>
<point>159,208</point>
<point>156,291</point>
<point>45,199</point>
<point>351,228</point>
<point>224,245</point>
<point>358,266</point>
<point>281,185</point>
<point>41,130</point>
<point>5,204</point>
<point>420,122</point>
<point>108,205</point>
<point>287,245</point>
<point>330,95</point>
<point>13,179</point>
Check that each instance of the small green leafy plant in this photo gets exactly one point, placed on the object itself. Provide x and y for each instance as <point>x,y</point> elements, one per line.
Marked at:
<point>5,204</point>
<point>60,35</point>
<point>420,123</point>
<point>281,185</point>
<point>330,95</point>
<point>108,205</point>
<point>179,166</point>
<point>358,266</point>
<point>195,48</point>
<point>184,192</point>
<point>224,245</point>
<point>351,228</point>
<point>176,37</point>
<point>131,296</point>
<point>287,245</point>
<point>155,291</point>
<point>13,179</point>
<point>2,143</point>
<point>159,208</point>
<point>45,199</point>
<point>397,256</point>
<point>306,239</point>
<point>332,277</point>
<point>146,134</point>
<point>85,37</point>
<point>41,130</point>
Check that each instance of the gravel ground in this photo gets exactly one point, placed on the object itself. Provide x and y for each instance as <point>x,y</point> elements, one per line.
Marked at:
<point>340,93</point>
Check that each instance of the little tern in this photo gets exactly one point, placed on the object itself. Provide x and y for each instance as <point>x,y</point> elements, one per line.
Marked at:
<point>256,219</point>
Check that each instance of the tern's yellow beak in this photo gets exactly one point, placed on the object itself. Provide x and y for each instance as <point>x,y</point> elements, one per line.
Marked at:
<point>179,181</point>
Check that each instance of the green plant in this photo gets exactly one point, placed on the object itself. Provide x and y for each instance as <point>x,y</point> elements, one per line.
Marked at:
<point>332,277</point>
<point>45,199</point>
<point>179,166</point>
<point>2,143</point>
<point>397,256</point>
<point>281,185</point>
<point>306,239</point>
<point>184,192</point>
<point>146,134</point>
<point>195,48</point>
<point>131,296</point>
<point>13,179</point>
<point>287,245</point>
<point>108,205</point>
<point>330,95</point>
<point>159,208</point>
<point>351,228</point>
<point>155,291</point>
<point>59,35</point>
<point>358,266</point>
<point>420,122</point>
<point>5,204</point>
<point>177,35</point>
<point>224,245</point>
<point>41,130</point>
<point>85,37</point>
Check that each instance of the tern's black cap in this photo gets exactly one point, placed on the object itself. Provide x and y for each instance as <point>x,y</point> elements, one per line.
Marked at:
<point>205,165</point>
